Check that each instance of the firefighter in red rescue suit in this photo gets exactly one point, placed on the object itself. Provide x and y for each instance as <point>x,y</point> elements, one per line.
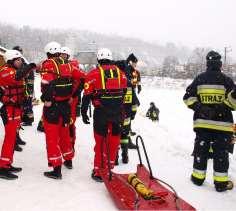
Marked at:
<point>57,91</point>
<point>78,87</point>
<point>12,94</point>
<point>105,86</point>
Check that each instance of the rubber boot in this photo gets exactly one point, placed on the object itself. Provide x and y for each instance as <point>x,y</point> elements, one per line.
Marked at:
<point>124,154</point>
<point>95,176</point>
<point>117,159</point>
<point>18,148</point>
<point>131,145</point>
<point>19,140</point>
<point>68,164</point>
<point>55,174</point>
<point>14,169</point>
<point>6,174</point>
<point>40,126</point>
<point>223,186</point>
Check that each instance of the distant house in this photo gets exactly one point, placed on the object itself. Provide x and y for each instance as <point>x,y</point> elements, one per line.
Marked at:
<point>2,51</point>
<point>179,68</point>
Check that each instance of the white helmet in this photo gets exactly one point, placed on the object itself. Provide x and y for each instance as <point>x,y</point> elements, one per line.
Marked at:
<point>12,54</point>
<point>52,48</point>
<point>66,50</point>
<point>104,53</point>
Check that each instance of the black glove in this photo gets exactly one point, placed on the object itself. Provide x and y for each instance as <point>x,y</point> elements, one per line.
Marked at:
<point>85,119</point>
<point>139,89</point>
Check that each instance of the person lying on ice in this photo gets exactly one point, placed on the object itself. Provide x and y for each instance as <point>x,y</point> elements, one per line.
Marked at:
<point>153,112</point>
<point>105,86</point>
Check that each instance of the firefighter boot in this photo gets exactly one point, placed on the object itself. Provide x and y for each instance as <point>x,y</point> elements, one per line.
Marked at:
<point>132,133</point>
<point>18,148</point>
<point>40,126</point>
<point>68,164</point>
<point>95,176</point>
<point>223,186</point>
<point>6,174</point>
<point>131,145</point>
<point>55,174</point>
<point>14,169</point>
<point>27,119</point>
<point>117,159</point>
<point>197,181</point>
<point>19,140</point>
<point>124,154</point>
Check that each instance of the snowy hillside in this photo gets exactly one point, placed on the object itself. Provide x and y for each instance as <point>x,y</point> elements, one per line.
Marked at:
<point>169,144</point>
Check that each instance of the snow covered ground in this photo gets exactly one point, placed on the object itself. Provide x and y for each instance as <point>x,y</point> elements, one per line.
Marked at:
<point>169,144</point>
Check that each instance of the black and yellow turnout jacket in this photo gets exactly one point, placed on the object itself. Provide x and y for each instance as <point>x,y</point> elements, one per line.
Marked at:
<point>207,95</point>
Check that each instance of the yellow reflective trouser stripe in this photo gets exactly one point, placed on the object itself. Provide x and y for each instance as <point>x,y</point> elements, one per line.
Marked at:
<point>220,177</point>
<point>30,81</point>
<point>61,85</point>
<point>190,101</point>
<point>210,150</point>
<point>134,107</point>
<point>215,125</point>
<point>126,122</point>
<point>111,97</point>
<point>199,175</point>
<point>124,141</point>
<point>26,92</point>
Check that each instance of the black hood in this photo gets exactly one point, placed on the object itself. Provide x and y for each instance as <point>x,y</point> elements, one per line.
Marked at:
<point>214,66</point>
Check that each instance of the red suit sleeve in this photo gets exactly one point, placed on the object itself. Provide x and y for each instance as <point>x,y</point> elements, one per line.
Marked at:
<point>7,76</point>
<point>89,84</point>
<point>47,72</point>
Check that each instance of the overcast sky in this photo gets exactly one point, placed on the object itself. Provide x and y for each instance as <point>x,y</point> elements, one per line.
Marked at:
<point>186,22</point>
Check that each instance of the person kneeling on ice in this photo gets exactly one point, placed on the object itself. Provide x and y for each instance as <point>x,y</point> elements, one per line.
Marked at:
<point>153,112</point>
<point>105,86</point>
<point>208,97</point>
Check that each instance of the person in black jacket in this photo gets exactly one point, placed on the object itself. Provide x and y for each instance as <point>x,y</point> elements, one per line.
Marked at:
<point>130,104</point>
<point>153,112</point>
<point>213,122</point>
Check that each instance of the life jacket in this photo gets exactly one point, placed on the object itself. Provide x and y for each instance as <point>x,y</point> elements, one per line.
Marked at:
<point>62,84</point>
<point>13,90</point>
<point>110,94</point>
